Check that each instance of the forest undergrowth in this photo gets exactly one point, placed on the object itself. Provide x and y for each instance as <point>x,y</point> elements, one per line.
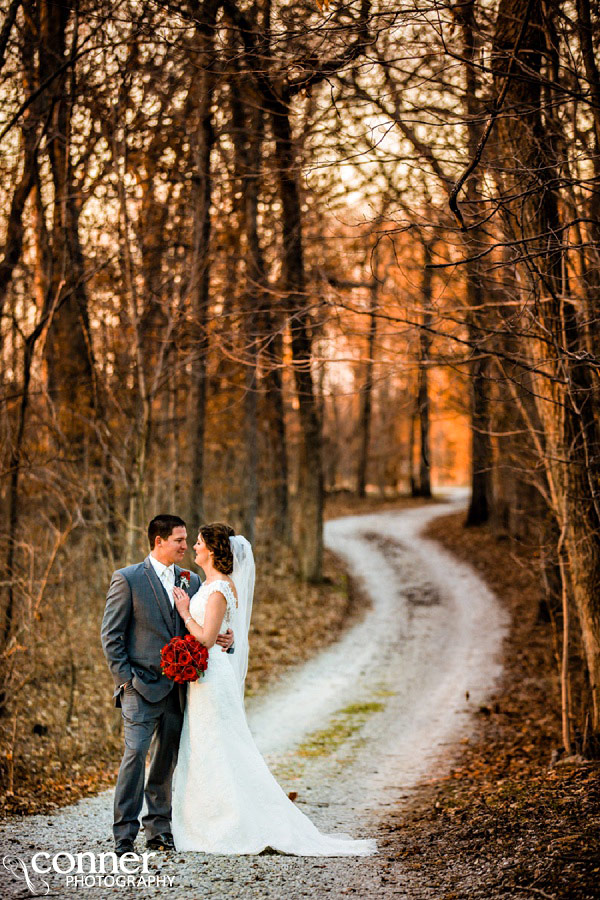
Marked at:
<point>514,817</point>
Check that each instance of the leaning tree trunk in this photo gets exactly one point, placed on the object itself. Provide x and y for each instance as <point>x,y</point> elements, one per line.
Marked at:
<point>14,491</point>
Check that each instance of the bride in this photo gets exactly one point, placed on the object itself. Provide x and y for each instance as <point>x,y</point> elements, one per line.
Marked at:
<point>225,799</point>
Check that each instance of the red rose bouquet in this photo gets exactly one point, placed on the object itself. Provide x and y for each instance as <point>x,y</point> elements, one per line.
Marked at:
<point>184,659</point>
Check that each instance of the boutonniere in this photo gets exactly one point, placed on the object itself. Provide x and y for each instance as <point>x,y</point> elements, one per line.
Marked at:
<point>184,580</point>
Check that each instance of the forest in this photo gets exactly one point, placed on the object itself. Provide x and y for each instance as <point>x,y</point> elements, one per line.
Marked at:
<point>255,254</point>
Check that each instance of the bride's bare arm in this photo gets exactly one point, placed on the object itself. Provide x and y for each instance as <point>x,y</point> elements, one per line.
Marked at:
<point>213,617</point>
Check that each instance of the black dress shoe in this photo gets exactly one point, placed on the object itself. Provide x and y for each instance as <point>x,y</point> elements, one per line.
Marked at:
<point>161,842</point>
<point>124,846</point>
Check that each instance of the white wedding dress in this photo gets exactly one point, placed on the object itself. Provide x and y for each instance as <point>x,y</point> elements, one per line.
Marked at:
<point>225,799</point>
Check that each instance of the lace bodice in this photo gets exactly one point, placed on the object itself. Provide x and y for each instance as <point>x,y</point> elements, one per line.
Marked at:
<point>198,601</point>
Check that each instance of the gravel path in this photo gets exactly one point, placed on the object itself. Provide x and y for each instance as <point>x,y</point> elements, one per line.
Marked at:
<point>351,731</point>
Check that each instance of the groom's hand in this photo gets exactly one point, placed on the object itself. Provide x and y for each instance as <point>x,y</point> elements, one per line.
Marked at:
<point>225,640</point>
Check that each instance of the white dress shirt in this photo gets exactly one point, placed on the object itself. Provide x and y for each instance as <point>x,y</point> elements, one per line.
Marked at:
<point>166,575</point>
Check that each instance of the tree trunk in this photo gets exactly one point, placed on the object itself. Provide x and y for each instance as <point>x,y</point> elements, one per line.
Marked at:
<point>566,402</point>
<point>199,283</point>
<point>423,489</point>
<point>248,137</point>
<point>309,501</point>
<point>564,671</point>
<point>68,349</point>
<point>412,432</point>
<point>15,229</point>
<point>474,241</point>
<point>481,445</point>
<point>272,382</point>
<point>367,391</point>
<point>14,492</point>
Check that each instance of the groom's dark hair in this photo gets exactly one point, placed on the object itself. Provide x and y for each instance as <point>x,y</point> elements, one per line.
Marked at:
<point>162,526</point>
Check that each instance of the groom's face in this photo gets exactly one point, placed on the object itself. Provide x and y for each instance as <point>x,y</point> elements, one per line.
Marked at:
<point>171,549</point>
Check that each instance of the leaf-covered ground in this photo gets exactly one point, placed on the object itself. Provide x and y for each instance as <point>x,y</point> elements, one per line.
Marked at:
<point>505,822</point>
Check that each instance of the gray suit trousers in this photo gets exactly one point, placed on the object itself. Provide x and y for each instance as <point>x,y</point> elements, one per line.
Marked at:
<point>154,726</point>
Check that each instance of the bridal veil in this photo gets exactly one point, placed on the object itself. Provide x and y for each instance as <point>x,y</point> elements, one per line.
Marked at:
<point>243,576</point>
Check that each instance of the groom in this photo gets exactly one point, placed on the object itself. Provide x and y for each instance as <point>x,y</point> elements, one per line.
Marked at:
<point>139,619</point>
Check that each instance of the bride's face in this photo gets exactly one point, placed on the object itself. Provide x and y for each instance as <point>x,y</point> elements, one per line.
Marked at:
<point>202,552</point>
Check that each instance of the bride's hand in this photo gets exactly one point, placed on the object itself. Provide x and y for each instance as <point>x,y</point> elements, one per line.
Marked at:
<point>182,602</point>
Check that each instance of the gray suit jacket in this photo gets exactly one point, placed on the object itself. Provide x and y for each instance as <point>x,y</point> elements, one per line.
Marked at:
<point>137,623</point>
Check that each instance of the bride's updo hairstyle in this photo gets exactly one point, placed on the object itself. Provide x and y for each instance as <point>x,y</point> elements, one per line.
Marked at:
<point>216,537</point>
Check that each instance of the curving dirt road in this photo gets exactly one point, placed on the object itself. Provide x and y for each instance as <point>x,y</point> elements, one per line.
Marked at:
<point>350,732</point>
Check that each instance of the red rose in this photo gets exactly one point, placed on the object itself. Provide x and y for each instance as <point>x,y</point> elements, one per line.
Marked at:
<point>201,656</point>
<point>171,670</point>
<point>183,574</point>
<point>189,639</point>
<point>168,655</point>
<point>190,673</point>
<point>184,658</point>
